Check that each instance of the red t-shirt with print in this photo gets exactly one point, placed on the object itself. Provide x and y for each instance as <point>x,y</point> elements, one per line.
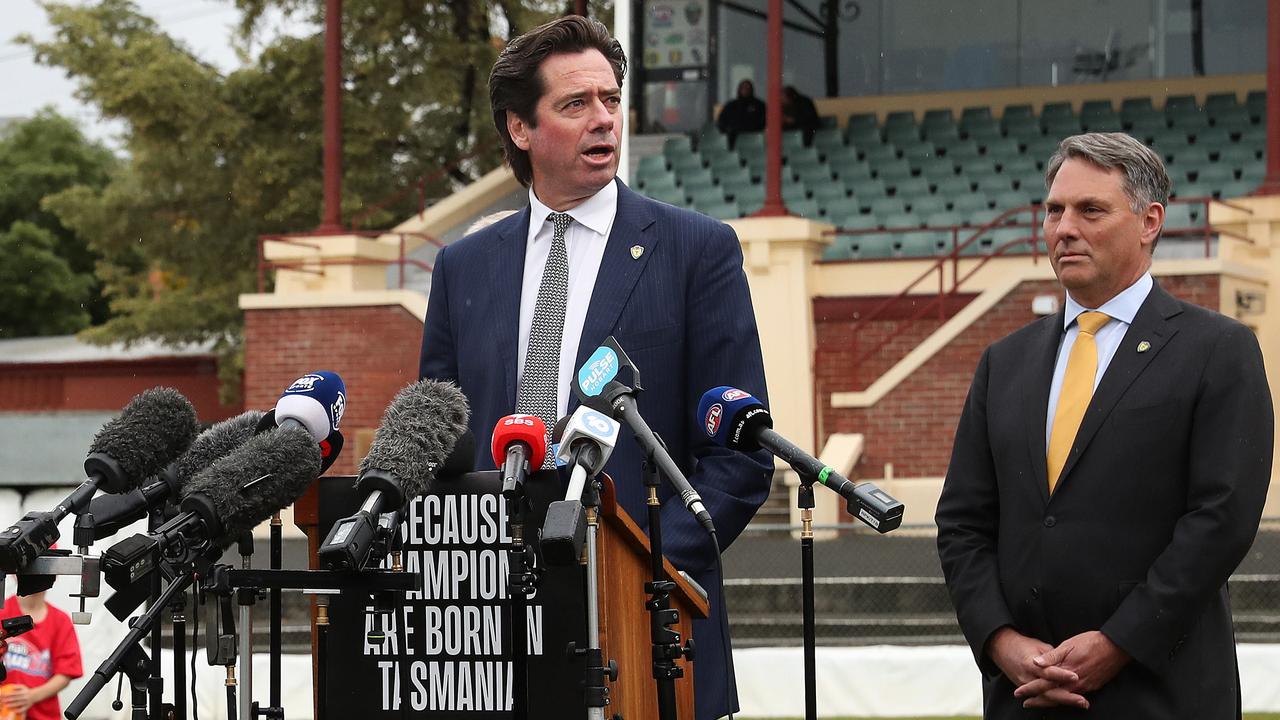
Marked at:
<point>50,648</point>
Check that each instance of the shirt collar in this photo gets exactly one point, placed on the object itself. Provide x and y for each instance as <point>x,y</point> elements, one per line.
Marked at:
<point>596,213</point>
<point>1122,307</point>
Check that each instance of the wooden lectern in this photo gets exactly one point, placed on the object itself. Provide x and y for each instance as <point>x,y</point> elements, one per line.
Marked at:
<point>624,568</point>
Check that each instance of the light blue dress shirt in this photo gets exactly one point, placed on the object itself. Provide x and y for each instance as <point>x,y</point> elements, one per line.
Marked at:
<point>1122,308</point>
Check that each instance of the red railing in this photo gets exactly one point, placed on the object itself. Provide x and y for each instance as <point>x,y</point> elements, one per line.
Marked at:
<point>979,259</point>
<point>308,266</point>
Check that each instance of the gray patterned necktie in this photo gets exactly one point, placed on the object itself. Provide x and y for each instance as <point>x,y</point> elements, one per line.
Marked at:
<point>539,387</point>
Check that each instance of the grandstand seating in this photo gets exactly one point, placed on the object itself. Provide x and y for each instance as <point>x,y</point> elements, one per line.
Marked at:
<point>938,171</point>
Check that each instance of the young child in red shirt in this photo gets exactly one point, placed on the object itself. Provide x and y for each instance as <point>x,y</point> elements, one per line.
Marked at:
<point>41,662</point>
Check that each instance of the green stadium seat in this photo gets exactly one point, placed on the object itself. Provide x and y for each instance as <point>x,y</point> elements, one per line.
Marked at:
<point>893,170</point>
<point>953,187</point>
<point>651,163</point>
<point>1109,122</point>
<point>862,131</point>
<point>695,173</point>
<point>804,208</point>
<point>1020,111</point>
<point>899,118</point>
<point>750,143</point>
<point>968,204</point>
<point>1058,128</point>
<point>866,188</point>
<point>941,136</point>
<point>682,164</point>
<point>938,116</point>
<point>1213,139</point>
<point>702,196</point>
<point>876,154</point>
<point>873,246</point>
<point>794,191</point>
<point>827,139</point>
<point>723,211</point>
<point>1091,108</point>
<point>1056,110</point>
<point>856,221</point>
<point>937,169</point>
<point>1216,102</point>
<point>713,141</point>
<point>1189,158</point>
<point>1180,216</point>
<point>975,114</point>
<point>1136,107</point>
<point>671,195</point>
<point>902,135</point>
<point>994,185</point>
<point>1239,188</point>
<point>841,248</point>
<point>698,182</point>
<point>800,153</point>
<point>1256,102</point>
<point>813,176</point>
<point>911,187</point>
<point>918,244</point>
<point>1023,128</point>
<point>1189,123</point>
<point>736,186</point>
<point>898,221</point>
<point>829,192</point>
<point>976,167</point>
<point>926,205</point>
<point>1179,104</point>
<point>983,131</point>
<point>1003,148</point>
<point>1018,164</point>
<point>963,151</point>
<point>1192,190</point>
<point>792,139</point>
<point>664,179</point>
<point>852,171</point>
<point>1010,240</point>
<point>944,218</point>
<point>1237,156</point>
<point>918,151</point>
<point>676,146</point>
<point>1216,174</point>
<point>882,207</point>
<point>728,166</point>
<point>1234,119</point>
<point>750,196</point>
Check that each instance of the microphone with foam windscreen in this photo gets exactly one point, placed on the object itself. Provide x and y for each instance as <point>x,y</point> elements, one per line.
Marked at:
<point>153,430</point>
<point>736,420</point>
<point>519,445</point>
<point>413,444</point>
<point>587,441</point>
<point>108,514</point>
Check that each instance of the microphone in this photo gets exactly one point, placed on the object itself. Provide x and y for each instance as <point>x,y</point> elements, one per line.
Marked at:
<point>419,431</point>
<point>519,446</point>
<point>597,387</point>
<point>316,401</point>
<point>587,441</point>
<point>108,514</point>
<point>735,419</point>
<point>153,429</point>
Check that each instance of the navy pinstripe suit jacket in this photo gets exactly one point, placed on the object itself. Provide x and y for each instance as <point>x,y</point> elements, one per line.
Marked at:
<point>682,312</point>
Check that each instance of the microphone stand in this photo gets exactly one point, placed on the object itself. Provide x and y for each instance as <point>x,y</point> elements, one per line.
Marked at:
<point>276,709</point>
<point>245,597</point>
<point>596,671</point>
<point>522,581</point>
<point>804,501</point>
<point>155,681</point>
<point>665,641</point>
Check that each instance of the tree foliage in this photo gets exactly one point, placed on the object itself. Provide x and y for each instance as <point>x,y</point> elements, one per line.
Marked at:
<point>216,160</point>
<point>41,157</point>
<point>42,295</point>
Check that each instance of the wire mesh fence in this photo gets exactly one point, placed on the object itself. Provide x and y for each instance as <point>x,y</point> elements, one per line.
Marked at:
<point>873,589</point>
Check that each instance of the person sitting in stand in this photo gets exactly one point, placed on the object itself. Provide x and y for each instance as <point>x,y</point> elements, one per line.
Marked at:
<point>745,113</point>
<point>799,113</point>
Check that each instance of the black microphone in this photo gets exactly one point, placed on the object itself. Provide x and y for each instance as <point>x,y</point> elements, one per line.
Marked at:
<point>597,387</point>
<point>418,433</point>
<point>153,430</point>
<point>736,420</point>
<point>108,514</point>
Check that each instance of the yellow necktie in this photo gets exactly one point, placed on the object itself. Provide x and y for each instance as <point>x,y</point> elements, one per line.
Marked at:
<point>1077,390</point>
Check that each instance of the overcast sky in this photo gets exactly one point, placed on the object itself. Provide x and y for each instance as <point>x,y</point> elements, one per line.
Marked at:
<point>204,26</point>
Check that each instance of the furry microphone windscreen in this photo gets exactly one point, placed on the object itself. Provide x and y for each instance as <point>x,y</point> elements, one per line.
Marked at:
<point>418,431</point>
<point>155,428</point>
<point>267,473</point>
<point>219,440</point>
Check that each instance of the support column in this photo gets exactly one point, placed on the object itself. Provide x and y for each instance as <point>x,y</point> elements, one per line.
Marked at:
<point>773,205</point>
<point>1271,184</point>
<point>332,221</point>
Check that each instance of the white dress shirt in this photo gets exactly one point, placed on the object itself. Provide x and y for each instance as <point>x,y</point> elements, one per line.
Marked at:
<point>584,242</point>
<point>1122,308</point>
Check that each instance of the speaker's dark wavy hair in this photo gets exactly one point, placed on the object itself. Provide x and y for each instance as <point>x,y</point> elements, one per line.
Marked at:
<point>515,83</point>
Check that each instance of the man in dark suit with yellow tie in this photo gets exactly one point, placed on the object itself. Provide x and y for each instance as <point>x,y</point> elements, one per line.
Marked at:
<point>1109,472</point>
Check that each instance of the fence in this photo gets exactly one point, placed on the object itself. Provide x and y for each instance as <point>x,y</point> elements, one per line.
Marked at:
<point>888,589</point>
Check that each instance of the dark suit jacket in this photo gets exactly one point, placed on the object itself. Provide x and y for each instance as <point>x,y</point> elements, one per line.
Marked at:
<point>1158,503</point>
<point>682,312</point>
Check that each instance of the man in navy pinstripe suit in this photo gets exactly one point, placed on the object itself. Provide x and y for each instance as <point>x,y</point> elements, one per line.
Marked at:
<point>667,283</point>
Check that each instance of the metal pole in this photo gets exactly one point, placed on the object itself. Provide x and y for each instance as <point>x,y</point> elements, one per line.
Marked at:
<point>1271,184</point>
<point>332,117</point>
<point>773,205</point>
<point>805,502</point>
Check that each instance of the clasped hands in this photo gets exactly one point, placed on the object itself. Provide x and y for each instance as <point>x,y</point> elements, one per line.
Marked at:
<point>1047,676</point>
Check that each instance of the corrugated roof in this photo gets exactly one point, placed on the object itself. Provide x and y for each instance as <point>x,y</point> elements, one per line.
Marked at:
<point>69,349</point>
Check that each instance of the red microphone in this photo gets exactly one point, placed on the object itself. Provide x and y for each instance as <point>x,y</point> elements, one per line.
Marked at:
<point>519,445</point>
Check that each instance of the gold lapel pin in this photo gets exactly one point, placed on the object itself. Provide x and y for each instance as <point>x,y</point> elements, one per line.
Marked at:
<point>636,251</point>
<point>1144,346</point>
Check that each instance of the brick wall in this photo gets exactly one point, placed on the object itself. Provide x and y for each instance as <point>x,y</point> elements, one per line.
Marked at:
<point>913,426</point>
<point>109,385</point>
<point>373,349</point>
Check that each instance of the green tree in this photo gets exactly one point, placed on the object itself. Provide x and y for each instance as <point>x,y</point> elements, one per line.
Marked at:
<point>41,157</point>
<point>42,295</point>
<point>217,160</point>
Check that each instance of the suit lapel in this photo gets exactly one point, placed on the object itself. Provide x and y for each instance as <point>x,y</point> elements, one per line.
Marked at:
<point>506,268</point>
<point>620,268</point>
<point>1151,325</point>
<point>1043,356</point>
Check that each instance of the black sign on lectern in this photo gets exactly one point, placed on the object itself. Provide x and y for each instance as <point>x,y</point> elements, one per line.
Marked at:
<point>449,646</point>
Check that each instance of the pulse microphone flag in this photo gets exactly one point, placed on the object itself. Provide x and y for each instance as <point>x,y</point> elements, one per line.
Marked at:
<point>316,401</point>
<point>586,442</point>
<point>414,443</point>
<point>519,446</point>
<point>735,419</point>
<point>153,430</point>
<point>598,388</point>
